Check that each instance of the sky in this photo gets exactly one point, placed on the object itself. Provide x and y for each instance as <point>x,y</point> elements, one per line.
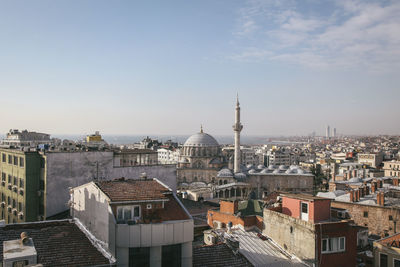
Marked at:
<point>166,67</point>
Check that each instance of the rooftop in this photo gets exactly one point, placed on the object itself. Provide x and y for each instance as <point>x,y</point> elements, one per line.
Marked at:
<point>218,255</point>
<point>261,252</point>
<point>134,190</point>
<point>390,241</point>
<point>303,197</point>
<point>57,243</point>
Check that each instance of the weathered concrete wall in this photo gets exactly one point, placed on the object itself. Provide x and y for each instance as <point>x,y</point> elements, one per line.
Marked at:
<point>89,203</point>
<point>71,169</point>
<point>379,219</point>
<point>294,235</point>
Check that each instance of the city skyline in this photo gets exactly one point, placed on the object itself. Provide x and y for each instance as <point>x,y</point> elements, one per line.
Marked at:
<point>151,68</point>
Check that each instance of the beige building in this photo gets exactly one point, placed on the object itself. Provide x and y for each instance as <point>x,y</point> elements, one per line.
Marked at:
<point>135,157</point>
<point>141,222</point>
<point>387,251</point>
<point>371,159</point>
<point>392,168</point>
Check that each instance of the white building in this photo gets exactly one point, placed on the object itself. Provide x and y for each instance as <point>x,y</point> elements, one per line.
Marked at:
<point>167,156</point>
<point>141,222</point>
<point>15,138</point>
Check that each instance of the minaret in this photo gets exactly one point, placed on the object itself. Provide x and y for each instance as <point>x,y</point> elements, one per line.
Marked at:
<point>237,127</point>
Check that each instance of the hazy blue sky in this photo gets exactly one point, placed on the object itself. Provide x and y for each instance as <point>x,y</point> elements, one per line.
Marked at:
<point>165,67</point>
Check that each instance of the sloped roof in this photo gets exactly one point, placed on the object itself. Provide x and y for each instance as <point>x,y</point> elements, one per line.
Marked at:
<point>57,243</point>
<point>133,190</point>
<point>250,207</point>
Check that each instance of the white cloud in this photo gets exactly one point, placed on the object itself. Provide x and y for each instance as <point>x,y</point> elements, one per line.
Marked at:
<point>354,34</point>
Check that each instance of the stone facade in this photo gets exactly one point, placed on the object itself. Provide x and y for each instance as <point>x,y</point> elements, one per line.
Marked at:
<point>268,183</point>
<point>380,220</point>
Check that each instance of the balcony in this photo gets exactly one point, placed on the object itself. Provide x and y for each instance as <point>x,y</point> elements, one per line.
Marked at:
<point>154,234</point>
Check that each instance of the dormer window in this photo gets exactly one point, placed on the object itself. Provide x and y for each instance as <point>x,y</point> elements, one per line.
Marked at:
<point>127,213</point>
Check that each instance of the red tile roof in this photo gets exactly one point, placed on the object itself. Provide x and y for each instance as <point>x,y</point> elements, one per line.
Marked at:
<point>133,190</point>
<point>57,243</point>
<point>391,241</point>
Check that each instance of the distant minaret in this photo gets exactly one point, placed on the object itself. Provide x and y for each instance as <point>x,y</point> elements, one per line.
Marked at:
<point>237,127</point>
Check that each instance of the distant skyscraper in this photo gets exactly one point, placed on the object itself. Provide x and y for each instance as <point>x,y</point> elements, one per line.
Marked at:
<point>334,133</point>
<point>328,132</point>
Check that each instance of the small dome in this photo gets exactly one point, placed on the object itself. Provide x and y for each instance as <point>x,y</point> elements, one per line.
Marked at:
<point>252,171</point>
<point>260,167</point>
<point>201,140</point>
<point>265,171</point>
<point>283,167</point>
<point>249,166</point>
<point>198,184</point>
<point>276,171</point>
<point>225,173</point>
<point>271,167</point>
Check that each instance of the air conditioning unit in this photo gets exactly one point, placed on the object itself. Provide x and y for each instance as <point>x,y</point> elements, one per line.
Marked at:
<point>39,193</point>
<point>21,192</point>
<point>15,211</point>
<point>40,218</point>
<point>3,204</point>
<point>21,215</point>
<point>3,183</point>
<point>9,208</point>
<point>9,186</point>
<point>15,188</point>
<point>342,214</point>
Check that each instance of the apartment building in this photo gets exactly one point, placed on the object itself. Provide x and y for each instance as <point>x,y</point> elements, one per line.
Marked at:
<point>141,222</point>
<point>303,226</point>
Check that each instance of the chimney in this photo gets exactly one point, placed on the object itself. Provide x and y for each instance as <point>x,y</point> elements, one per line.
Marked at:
<point>373,187</point>
<point>395,181</point>
<point>362,189</point>
<point>366,190</point>
<point>380,198</point>
<point>354,173</point>
<point>345,176</point>
<point>358,195</point>
<point>351,196</point>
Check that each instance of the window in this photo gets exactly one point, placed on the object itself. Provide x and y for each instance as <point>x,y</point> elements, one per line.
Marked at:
<point>396,262</point>
<point>125,213</point>
<point>15,182</point>
<point>171,256</point>
<point>3,176</point>
<point>21,183</point>
<point>333,244</point>
<point>139,257</point>
<point>9,159</point>
<point>20,263</point>
<point>304,207</point>
<point>390,218</point>
<point>16,160</point>
<point>365,214</point>
<point>3,157</point>
<point>383,260</point>
<point>9,179</point>
<point>21,162</point>
<point>19,206</point>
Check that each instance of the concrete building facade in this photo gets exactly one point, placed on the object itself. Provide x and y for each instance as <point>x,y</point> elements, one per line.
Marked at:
<point>140,221</point>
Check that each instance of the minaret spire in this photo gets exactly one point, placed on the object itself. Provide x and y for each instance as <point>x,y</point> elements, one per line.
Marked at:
<point>201,128</point>
<point>237,128</point>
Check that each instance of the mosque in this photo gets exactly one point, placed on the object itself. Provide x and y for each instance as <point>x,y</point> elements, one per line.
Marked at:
<point>204,173</point>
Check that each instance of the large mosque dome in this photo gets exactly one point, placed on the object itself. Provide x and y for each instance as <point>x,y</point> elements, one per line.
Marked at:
<point>201,140</point>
